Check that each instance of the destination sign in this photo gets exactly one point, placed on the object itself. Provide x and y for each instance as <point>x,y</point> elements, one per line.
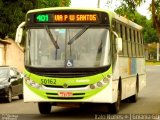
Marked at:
<point>67,18</point>
<point>75,18</point>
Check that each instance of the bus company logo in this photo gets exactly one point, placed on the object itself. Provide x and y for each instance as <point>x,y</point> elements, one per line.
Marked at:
<point>65,85</point>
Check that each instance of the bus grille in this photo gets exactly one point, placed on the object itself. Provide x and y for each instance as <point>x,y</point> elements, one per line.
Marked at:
<point>67,75</point>
<point>76,86</point>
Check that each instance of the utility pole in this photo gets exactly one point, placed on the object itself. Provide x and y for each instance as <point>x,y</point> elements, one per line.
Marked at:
<point>98,5</point>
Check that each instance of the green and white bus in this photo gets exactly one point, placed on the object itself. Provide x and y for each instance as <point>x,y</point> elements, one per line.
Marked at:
<point>75,56</point>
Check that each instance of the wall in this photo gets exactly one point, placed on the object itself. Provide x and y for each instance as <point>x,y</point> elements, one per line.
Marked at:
<point>2,54</point>
<point>14,55</point>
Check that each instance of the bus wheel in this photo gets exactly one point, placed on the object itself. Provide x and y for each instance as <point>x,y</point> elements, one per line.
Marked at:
<point>115,107</point>
<point>133,99</point>
<point>44,107</point>
<point>20,96</point>
<point>9,97</point>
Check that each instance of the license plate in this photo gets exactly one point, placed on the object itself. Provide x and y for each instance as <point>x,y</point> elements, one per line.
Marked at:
<point>65,94</point>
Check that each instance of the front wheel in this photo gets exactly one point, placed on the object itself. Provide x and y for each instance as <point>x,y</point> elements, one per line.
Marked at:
<point>44,107</point>
<point>9,97</point>
<point>115,107</point>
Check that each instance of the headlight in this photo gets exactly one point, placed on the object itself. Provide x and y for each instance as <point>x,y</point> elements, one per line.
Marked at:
<point>32,83</point>
<point>101,83</point>
<point>92,86</point>
<point>106,80</point>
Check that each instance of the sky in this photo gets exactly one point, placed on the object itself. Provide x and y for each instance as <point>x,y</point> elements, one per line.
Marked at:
<point>143,9</point>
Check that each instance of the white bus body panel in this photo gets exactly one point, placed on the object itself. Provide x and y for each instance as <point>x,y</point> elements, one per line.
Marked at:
<point>127,69</point>
<point>107,95</point>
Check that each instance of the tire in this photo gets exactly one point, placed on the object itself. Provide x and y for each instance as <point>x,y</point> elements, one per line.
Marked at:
<point>20,96</point>
<point>9,97</point>
<point>115,107</point>
<point>44,107</point>
<point>133,99</point>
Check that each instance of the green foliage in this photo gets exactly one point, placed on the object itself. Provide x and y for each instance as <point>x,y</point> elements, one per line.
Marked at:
<point>157,5</point>
<point>12,12</point>
<point>130,5</point>
<point>149,32</point>
<point>51,3</point>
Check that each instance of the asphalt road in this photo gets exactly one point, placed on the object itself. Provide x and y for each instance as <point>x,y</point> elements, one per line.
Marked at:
<point>148,104</point>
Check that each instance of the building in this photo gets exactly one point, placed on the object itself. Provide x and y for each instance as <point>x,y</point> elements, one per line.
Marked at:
<point>11,54</point>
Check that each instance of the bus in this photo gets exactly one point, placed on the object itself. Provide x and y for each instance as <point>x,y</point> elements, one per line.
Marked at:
<point>75,56</point>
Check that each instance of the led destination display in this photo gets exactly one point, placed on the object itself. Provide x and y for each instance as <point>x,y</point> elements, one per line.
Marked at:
<point>75,17</point>
<point>66,18</point>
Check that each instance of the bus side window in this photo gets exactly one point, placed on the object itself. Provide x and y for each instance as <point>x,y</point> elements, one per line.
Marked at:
<point>141,45</point>
<point>138,45</point>
<point>119,31</point>
<point>133,43</point>
<point>129,42</point>
<point>124,38</point>
<point>113,38</point>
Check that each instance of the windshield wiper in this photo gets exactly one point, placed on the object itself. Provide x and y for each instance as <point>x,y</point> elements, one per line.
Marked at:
<point>52,38</point>
<point>77,35</point>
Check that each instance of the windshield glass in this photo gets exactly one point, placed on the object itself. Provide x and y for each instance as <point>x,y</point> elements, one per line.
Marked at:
<point>75,47</point>
<point>4,72</point>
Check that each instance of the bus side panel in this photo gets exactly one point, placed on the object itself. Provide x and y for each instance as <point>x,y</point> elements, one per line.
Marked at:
<point>128,69</point>
<point>115,77</point>
<point>142,82</point>
<point>129,86</point>
<point>141,73</point>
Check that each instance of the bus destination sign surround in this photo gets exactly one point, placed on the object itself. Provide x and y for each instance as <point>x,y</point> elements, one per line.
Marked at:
<point>67,18</point>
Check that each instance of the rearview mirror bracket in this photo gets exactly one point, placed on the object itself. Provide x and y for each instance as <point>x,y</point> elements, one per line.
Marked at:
<point>118,42</point>
<point>19,33</point>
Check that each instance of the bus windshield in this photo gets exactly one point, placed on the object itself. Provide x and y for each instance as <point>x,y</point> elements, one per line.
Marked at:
<point>74,47</point>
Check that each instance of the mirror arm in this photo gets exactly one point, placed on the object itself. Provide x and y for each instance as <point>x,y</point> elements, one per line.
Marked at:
<point>115,34</point>
<point>17,38</point>
<point>118,41</point>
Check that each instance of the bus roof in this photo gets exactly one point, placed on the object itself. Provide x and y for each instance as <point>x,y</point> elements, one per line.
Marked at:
<point>112,14</point>
<point>127,21</point>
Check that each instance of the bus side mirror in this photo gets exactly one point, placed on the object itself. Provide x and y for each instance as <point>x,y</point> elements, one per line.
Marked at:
<point>119,44</point>
<point>19,33</point>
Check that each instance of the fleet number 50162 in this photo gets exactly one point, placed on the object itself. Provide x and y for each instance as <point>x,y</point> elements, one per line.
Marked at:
<point>48,81</point>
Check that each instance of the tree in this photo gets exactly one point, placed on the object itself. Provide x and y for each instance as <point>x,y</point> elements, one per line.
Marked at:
<point>12,12</point>
<point>155,9</point>
<point>149,32</point>
<point>50,3</point>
